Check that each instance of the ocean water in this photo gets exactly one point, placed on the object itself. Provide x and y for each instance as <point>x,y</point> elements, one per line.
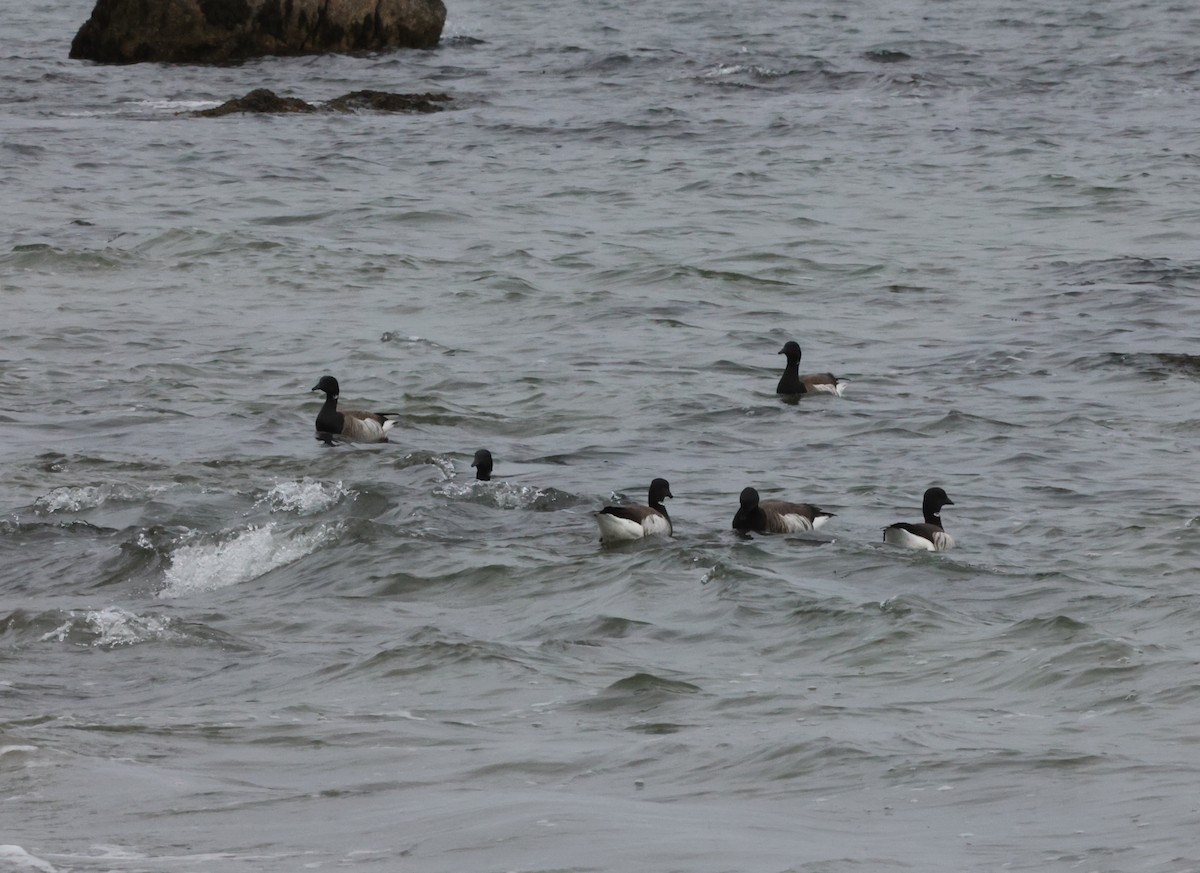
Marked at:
<point>227,647</point>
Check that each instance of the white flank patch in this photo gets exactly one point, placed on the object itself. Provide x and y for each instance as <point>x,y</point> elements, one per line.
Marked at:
<point>898,536</point>
<point>614,529</point>
<point>825,388</point>
<point>942,541</point>
<point>365,430</point>
<point>793,523</point>
<point>656,524</point>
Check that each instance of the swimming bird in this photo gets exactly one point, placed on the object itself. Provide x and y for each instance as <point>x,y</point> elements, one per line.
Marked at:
<point>776,516</point>
<point>928,536</point>
<point>634,521</point>
<point>791,382</point>
<point>483,465</point>
<point>350,425</point>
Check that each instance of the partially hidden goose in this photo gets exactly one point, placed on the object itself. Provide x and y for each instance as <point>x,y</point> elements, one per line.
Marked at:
<point>791,382</point>
<point>776,516</point>
<point>483,465</point>
<point>634,521</point>
<point>349,425</point>
<point>929,535</point>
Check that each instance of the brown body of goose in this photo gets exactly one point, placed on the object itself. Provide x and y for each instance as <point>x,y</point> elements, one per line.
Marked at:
<point>791,382</point>
<point>634,521</point>
<point>348,425</point>
<point>929,535</point>
<point>776,516</point>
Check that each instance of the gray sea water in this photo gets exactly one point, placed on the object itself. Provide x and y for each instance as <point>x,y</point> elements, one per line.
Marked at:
<point>226,647</point>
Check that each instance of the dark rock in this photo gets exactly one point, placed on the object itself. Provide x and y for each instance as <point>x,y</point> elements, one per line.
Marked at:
<point>385,101</point>
<point>264,100</point>
<point>258,100</point>
<point>887,56</point>
<point>222,31</point>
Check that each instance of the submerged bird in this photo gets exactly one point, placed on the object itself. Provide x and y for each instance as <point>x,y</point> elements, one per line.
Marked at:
<point>776,516</point>
<point>791,382</point>
<point>350,425</point>
<point>929,535</point>
<point>632,522</point>
<point>483,465</point>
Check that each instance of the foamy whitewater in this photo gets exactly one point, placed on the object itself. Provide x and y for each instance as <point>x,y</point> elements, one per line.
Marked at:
<point>227,647</point>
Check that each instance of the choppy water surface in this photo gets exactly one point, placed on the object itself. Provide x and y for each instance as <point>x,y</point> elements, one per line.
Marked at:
<point>226,647</point>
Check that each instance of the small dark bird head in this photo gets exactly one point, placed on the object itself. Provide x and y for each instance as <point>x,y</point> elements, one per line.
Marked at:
<point>932,503</point>
<point>792,349</point>
<point>329,385</point>
<point>659,489</point>
<point>748,499</point>
<point>935,499</point>
<point>483,465</point>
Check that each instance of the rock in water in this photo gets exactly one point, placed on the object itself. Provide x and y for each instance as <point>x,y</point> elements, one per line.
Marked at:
<point>221,31</point>
<point>266,101</point>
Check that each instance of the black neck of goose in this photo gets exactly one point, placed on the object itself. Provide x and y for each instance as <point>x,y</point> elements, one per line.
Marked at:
<point>483,474</point>
<point>790,382</point>
<point>933,516</point>
<point>329,419</point>
<point>659,507</point>
<point>750,519</point>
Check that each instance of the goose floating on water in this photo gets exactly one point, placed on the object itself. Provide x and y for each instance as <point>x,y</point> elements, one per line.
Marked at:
<point>634,521</point>
<point>928,536</point>
<point>483,465</point>
<point>791,382</point>
<point>776,516</point>
<point>349,425</point>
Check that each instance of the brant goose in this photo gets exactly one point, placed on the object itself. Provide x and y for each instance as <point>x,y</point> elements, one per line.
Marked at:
<point>791,382</point>
<point>361,427</point>
<point>929,535</point>
<point>632,522</point>
<point>776,516</point>
<point>483,465</point>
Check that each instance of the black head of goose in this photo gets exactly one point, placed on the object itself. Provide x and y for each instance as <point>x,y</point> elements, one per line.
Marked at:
<point>929,535</point>
<point>349,425</point>
<point>776,516</point>
<point>791,382</point>
<point>483,465</point>
<point>634,521</point>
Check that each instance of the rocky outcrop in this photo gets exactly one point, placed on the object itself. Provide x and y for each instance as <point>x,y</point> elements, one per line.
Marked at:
<point>221,31</point>
<point>264,100</point>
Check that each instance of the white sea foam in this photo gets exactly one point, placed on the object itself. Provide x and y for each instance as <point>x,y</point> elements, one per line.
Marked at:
<point>16,858</point>
<point>17,750</point>
<point>76,498</point>
<point>502,495</point>
<point>175,105</point>
<point>303,496</point>
<point>247,555</point>
<point>110,627</point>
